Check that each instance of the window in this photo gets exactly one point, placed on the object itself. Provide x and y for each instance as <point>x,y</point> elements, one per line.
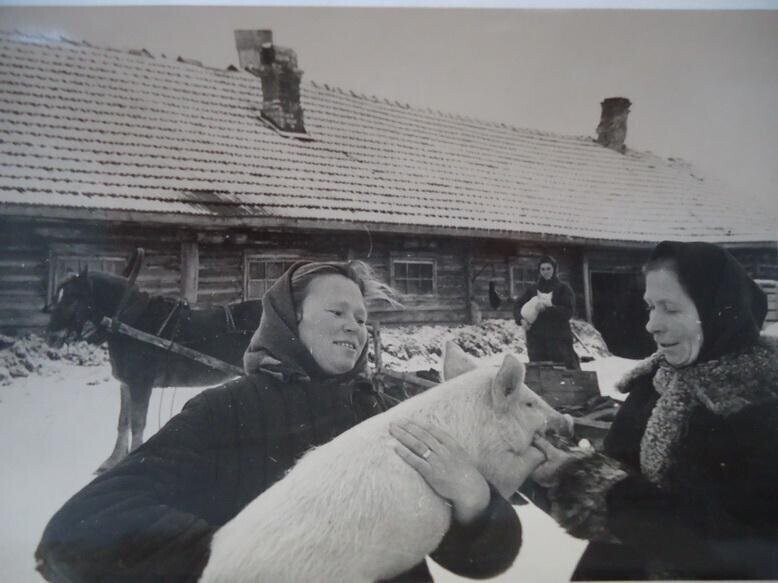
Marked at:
<point>414,277</point>
<point>523,275</point>
<point>261,272</point>
<point>63,266</point>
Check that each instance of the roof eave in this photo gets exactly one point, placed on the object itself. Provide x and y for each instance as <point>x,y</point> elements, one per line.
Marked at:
<point>210,222</point>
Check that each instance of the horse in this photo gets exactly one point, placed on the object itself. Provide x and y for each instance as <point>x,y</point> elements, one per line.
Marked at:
<point>84,299</point>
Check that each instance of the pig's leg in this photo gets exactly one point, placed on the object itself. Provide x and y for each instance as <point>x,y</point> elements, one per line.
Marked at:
<point>120,449</point>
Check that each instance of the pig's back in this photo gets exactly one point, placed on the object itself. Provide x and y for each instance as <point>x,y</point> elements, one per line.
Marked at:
<point>349,510</point>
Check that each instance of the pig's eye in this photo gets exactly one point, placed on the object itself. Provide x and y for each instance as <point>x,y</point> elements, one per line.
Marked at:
<point>529,404</point>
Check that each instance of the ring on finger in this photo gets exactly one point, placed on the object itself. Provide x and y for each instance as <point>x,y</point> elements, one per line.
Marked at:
<point>426,454</point>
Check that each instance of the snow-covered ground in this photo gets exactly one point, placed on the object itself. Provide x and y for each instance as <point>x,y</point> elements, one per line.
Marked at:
<point>58,423</point>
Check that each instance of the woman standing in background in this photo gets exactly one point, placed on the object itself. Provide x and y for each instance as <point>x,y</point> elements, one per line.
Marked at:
<point>544,311</point>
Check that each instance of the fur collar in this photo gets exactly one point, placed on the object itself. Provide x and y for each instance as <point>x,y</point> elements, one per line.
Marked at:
<point>723,386</point>
<point>647,366</point>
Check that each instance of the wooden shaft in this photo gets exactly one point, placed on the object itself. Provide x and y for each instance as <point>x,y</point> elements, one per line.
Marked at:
<point>587,282</point>
<point>409,378</point>
<point>375,328</point>
<point>469,285</point>
<point>116,326</point>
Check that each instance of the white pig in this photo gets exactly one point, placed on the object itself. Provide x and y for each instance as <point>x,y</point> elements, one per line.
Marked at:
<point>352,510</point>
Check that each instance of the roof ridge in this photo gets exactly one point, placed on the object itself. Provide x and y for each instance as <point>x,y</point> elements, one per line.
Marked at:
<point>452,115</point>
<point>21,36</point>
<point>442,113</point>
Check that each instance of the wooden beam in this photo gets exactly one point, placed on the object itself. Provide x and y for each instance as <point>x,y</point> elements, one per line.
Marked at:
<point>375,329</point>
<point>409,378</point>
<point>469,317</point>
<point>587,282</point>
<point>213,222</point>
<point>51,266</point>
<point>190,270</point>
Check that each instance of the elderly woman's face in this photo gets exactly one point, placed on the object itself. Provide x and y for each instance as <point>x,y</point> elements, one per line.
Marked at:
<point>332,326</point>
<point>673,320</point>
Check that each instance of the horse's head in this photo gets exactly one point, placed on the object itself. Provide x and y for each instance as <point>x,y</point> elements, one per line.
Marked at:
<point>73,309</point>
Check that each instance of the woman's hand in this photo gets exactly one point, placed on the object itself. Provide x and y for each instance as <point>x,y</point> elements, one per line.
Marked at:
<point>547,472</point>
<point>444,465</point>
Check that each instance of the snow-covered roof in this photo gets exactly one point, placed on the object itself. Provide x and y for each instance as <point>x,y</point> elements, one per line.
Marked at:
<point>108,133</point>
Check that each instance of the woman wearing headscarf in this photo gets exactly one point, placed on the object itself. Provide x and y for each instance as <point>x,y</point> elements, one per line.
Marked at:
<point>544,310</point>
<point>152,517</point>
<point>686,487</point>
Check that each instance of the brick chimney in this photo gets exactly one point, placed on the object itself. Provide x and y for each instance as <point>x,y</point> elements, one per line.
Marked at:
<point>612,130</point>
<point>277,69</point>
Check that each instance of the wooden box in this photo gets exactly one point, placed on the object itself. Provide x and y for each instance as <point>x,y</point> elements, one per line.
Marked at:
<point>561,387</point>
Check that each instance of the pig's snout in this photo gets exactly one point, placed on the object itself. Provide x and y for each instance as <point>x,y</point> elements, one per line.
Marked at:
<point>559,424</point>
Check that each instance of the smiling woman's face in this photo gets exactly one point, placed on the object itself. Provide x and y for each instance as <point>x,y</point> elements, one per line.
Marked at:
<point>333,323</point>
<point>673,319</point>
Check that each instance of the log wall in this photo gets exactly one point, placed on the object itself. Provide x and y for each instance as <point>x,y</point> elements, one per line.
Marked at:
<point>29,253</point>
<point>23,279</point>
<point>448,304</point>
<point>493,262</point>
<point>208,267</point>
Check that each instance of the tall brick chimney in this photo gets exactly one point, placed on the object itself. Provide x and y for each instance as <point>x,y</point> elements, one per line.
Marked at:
<point>277,69</point>
<point>612,130</point>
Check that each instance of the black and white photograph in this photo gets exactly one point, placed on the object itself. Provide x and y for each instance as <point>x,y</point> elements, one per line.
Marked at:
<point>389,293</point>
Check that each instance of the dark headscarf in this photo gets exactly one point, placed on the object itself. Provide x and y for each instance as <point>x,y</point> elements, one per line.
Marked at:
<point>732,307</point>
<point>276,347</point>
<point>547,285</point>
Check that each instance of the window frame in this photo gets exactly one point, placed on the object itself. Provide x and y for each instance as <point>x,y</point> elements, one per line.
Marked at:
<point>394,260</point>
<point>529,265</point>
<point>248,257</point>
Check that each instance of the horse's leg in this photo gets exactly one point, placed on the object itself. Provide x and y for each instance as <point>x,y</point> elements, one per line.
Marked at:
<point>140,407</point>
<point>123,432</point>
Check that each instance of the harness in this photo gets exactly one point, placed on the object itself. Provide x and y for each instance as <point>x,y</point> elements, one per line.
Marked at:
<point>173,312</point>
<point>128,312</point>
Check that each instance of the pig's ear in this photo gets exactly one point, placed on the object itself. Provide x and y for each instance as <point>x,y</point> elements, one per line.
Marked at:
<point>507,382</point>
<point>455,361</point>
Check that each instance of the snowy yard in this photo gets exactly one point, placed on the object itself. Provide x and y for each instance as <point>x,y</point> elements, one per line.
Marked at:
<point>59,423</point>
